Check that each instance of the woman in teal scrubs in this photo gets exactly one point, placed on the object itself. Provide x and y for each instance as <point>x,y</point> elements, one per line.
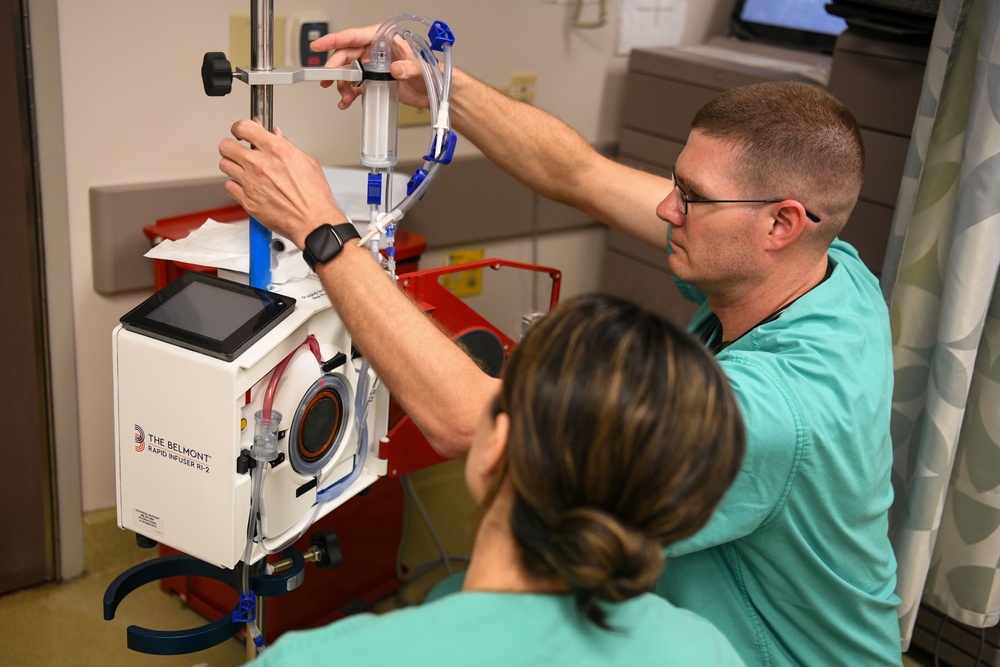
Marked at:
<point>614,434</point>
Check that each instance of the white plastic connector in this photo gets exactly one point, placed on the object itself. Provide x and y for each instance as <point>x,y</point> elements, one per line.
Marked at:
<point>378,227</point>
<point>265,436</point>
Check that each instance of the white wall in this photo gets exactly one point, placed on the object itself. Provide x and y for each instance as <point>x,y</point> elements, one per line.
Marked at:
<point>134,112</point>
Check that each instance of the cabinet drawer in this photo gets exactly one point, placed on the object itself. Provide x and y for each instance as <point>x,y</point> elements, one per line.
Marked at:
<point>662,107</point>
<point>868,231</point>
<point>647,152</point>
<point>885,156</point>
<point>882,93</point>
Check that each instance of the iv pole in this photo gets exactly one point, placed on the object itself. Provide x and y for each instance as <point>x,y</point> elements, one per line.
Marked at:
<point>261,101</point>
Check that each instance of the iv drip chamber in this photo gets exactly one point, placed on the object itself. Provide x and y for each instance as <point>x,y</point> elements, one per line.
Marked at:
<point>380,116</point>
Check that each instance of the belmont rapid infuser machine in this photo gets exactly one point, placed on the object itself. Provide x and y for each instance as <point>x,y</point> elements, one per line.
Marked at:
<point>243,412</point>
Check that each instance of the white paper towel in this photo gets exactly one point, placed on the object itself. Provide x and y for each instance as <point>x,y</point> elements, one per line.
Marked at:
<point>226,245</point>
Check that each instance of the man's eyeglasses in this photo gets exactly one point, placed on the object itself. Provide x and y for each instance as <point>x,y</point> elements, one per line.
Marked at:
<point>688,200</point>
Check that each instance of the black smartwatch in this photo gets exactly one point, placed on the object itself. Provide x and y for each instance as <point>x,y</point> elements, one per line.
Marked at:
<point>324,242</point>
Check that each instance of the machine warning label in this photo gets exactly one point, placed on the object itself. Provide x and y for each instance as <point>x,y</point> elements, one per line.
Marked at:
<point>147,520</point>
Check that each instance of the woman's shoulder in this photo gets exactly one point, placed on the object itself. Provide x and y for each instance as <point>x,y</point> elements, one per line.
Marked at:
<point>510,628</point>
<point>680,635</point>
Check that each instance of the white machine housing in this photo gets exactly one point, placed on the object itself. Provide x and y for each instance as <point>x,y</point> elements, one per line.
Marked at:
<point>183,418</point>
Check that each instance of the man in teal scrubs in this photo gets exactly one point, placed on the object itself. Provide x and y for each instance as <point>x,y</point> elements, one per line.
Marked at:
<point>795,567</point>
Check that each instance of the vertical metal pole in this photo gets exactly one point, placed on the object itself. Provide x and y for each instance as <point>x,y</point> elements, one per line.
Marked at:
<point>261,98</point>
<point>262,59</point>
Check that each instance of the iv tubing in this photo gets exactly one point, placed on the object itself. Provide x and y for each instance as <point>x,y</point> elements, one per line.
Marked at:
<point>272,386</point>
<point>313,344</point>
<point>337,488</point>
<point>278,544</point>
<point>381,49</point>
<point>438,85</point>
<point>258,485</point>
<point>361,411</point>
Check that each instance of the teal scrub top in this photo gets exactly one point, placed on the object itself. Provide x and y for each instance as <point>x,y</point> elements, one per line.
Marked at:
<point>504,629</point>
<point>795,567</point>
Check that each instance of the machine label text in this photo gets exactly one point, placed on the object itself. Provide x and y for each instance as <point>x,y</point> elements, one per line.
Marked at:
<point>148,520</point>
<point>174,451</point>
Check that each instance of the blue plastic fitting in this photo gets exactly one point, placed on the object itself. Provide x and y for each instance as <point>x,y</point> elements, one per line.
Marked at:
<point>418,177</point>
<point>247,609</point>
<point>439,35</point>
<point>449,149</point>
<point>374,189</point>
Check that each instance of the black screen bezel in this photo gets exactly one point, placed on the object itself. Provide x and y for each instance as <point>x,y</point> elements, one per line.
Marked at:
<point>792,37</point>
<point>274,308</point>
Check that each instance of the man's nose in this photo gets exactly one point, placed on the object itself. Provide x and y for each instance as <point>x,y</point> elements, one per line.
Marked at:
<point>668,210</point>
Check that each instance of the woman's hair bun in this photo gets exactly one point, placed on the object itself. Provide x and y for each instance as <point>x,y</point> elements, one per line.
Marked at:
<point>600,559</point>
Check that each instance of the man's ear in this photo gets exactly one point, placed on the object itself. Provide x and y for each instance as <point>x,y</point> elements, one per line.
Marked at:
<point>788,221</point>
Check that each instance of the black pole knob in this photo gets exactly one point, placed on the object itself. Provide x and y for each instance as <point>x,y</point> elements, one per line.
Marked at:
<point>216,74</point>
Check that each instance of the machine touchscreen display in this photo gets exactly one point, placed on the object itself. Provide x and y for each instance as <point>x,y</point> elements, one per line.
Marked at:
<point>208,314</point>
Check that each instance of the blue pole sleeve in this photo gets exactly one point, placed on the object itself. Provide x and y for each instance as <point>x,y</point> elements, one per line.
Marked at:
<point>260,255</point>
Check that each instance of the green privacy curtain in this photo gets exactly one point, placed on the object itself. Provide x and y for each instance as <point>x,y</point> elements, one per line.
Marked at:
<point>940,278</point>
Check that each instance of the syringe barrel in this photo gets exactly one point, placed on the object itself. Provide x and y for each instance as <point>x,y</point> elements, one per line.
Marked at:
<point>380,109</point>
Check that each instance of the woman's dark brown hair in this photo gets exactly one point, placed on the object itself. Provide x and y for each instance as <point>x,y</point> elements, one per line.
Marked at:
<point>624,436</point>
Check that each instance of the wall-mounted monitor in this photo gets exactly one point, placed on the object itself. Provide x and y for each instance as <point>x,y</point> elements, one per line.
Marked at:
<point>803,24</point>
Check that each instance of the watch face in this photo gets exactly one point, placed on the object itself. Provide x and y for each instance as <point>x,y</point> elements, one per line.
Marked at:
<point>325,242</point>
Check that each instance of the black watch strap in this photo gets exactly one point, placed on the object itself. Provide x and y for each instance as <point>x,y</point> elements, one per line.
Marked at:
<point>324,242</point>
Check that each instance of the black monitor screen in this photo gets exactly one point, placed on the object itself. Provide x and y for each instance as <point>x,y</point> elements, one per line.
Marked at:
<point>208,311</point>
<point>210,315</point>
<point>804,23</point>
<point>810,15</point>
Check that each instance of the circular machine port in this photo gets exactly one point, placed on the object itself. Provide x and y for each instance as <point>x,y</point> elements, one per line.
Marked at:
<point>317,430</point>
